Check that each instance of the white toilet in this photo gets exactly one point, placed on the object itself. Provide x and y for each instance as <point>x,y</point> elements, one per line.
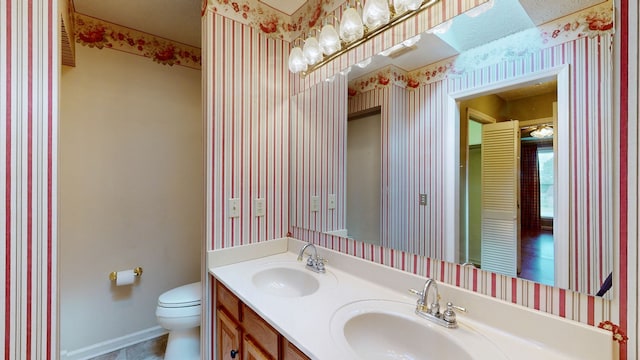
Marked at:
<point>179,312</point>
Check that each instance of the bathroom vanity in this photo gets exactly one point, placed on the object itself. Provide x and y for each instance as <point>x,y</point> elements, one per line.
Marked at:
<point>268,305</point>
<point>241,331</point>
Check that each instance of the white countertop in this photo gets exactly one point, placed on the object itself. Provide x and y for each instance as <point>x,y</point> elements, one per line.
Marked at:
<point>518,332</point>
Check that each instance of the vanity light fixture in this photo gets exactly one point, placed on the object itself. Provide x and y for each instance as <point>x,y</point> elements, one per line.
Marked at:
<point>376,13</point>
<point>351,26</point>
<point>329,40</point>
<point>311,50</point>
<point>402,6</point>
<point>297,62</point>
<point>378,16</point>
<point>543,131</point>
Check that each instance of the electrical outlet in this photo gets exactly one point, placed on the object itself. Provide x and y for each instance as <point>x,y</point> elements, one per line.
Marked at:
<point>423,199</point>
<point>315,203</point>
<point>234,207</point>
<point>332,202</point>
<point>259,209</point>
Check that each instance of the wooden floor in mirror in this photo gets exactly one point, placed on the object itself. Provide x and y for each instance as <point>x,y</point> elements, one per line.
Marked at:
<point>537,256</point>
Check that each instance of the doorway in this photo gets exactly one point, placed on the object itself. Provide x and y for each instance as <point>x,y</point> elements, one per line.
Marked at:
<point>551,241</point>
<point>364,166</point>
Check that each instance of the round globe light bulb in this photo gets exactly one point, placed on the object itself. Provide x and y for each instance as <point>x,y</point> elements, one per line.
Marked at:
<point>329,40</point>
<point>375,13</point>
<point>297,62</point>
<point>311,51</point>
<point>351,27</point>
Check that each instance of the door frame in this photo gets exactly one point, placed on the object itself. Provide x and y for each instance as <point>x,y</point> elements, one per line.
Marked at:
<point>562,188</point>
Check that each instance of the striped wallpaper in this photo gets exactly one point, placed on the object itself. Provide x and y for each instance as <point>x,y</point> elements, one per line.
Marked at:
<point>318,155</point>
<point>29,69</point>
<point>627,133</point>
<point>247,115</point>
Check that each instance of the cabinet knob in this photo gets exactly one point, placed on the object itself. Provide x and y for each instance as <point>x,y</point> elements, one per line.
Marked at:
<point>234,353</point>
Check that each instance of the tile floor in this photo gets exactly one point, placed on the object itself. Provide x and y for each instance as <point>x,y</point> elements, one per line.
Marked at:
<point>149,350</point>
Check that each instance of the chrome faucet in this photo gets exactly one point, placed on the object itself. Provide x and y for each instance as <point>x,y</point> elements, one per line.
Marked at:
<point>433,308</point>
<point>431,311</point>
<point>314,262</point>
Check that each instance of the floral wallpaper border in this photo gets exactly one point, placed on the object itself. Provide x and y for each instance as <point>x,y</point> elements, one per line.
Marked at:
<point>273,22</point>
<point>591,22</point>
<point>100,34</point>
<point>378,79</point>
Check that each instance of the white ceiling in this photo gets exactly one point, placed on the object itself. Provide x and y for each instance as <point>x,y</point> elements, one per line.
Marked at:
<point>179,20</point>
<point>288,6</point>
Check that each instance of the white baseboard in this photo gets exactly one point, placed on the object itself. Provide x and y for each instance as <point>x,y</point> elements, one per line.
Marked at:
<point>108,346</point>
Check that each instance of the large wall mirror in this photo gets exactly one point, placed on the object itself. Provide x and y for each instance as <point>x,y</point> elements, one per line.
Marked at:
<point>485,145</point>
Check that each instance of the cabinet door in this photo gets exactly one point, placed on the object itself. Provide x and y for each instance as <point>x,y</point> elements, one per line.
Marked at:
<point>261,333</point>
<point>291,352</point>
<point>229,336</point>
<point>250,351</point>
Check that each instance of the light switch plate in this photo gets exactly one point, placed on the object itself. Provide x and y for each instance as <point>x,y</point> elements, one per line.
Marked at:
<point>423,199</point>
<point>259,209</point>
<point>234,207</point>
<point>315,203</point>
<point>332,202</point>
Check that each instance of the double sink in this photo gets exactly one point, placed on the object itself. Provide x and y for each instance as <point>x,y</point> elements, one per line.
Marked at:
<point>357,309</point>
<point>367,328</point>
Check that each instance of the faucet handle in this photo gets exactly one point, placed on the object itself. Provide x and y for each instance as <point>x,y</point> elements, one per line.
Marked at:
<point>416,292</point>
<point>449,315</point>
<point>310,260</point>
<point>459,308</point>
<point>420,305</point>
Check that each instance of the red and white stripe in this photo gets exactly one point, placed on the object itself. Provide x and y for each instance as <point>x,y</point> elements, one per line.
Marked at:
<point>28,145</point>
<point>248,131</point>
<point>627,278</point>
<point>317,160</point>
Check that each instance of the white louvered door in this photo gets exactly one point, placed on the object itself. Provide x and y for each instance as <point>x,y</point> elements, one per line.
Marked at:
<point>500,249</point>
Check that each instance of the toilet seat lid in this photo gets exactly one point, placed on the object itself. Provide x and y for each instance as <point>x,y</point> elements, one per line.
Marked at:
<point>185,295</point>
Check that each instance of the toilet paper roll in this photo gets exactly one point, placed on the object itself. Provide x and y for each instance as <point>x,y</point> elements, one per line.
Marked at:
<point>125,277</point>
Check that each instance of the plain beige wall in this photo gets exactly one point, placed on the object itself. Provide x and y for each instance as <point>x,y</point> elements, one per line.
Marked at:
<point>533,107</point>
<point>131,190</point>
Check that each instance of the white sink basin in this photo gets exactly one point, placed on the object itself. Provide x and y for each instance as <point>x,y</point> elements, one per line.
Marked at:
<point>286,281</point>
<point>377,329</point>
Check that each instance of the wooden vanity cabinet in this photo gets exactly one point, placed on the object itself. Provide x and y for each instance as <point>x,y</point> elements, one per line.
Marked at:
<point>291,352</point>
<point>244,335</point>
<point>229,336</point>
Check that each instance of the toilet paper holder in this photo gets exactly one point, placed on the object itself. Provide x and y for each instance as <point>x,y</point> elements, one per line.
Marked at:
<point>113,276</point>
